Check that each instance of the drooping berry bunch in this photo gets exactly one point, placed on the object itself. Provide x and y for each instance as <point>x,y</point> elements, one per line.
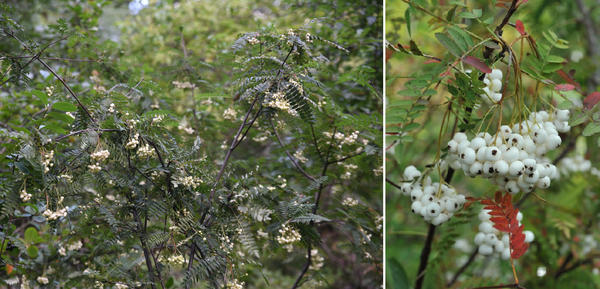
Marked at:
<point>515,157</point>
<point>493,82</point>
<point>492,241</point>
<point>435,202</point>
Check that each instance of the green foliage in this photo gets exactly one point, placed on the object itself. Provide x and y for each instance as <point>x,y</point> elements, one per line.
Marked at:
<point>204,140</point>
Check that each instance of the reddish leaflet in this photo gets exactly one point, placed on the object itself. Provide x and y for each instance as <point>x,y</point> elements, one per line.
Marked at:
<point>504,217</point>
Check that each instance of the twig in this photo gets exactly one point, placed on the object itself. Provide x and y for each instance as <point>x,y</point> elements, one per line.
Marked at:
<point>425,257</point>
<point>593,43</point>
<point>55,75</point>
<point>515,285</point>
<point>300,169</point>
<point>463,267</point>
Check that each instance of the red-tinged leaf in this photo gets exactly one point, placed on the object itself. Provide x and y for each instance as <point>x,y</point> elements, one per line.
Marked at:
<point>516,254</point>
<point>496,213</point>
<point>520,27</point>
<point>576,239</point>
<point>388,54</point>
<point>507,200</point>
<point>431,60</point>
<point>499,220</point>
<point>568,78</point>
<point>564,87</point>
<point>517,239</point>
<point>488,202</point>
<point>591,99</point>
<point>501,5</point>
<point>502,227</point>
<point>475,62</point>
<point>498,197</point>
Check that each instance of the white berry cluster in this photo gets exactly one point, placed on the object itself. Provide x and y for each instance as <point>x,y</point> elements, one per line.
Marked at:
<point>133,142</point>
<point>574,164</point>
<point>47,160</point>
<point>491,241</point>
<point>514,158</point>
<point>493,82</point>
<point>24,195</point>
<point>435,202</point>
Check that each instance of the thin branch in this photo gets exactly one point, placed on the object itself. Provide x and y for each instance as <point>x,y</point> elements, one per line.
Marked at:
<point>463,267</point>
<point>55,75</point>
<point>501,286</point>
<point>59,138</point>
<point>425,257</point>
<point>393,184</point>
<point>593,43</point>
<point>302,171</point>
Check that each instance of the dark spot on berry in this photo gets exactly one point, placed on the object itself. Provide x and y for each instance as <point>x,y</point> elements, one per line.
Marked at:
<point>462,156</point>
<point>491,170</point>
<point>506,180</point>
<point>455,205</point>
<point>494,152</point>
<point>479,172</point>
<point>430,199</point>
<point>413,210</point>
<point>519,173</point>
<point>433,211</point>
<point>531,175</point>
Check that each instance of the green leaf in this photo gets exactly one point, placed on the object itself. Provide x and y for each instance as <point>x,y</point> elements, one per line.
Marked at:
<point>399,279</point>
<point>411,126</point>
<point>591,129</point>
<point>32,251</point>
<point>407,18</point>
<point>64,106</point>
<point>414,49</point>
<point>31,235</point>
<point>41,95</point>
<point>555,59</point>
<point>449,44</point>
<point>471,15</point>
<point>552,67</point>
<point>450,14</point>
<point>460,37</point>
<point>565,105</point>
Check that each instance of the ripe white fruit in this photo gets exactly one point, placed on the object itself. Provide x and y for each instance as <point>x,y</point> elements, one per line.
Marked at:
<point>529,236</point>
<point>496,74</point>
<point>516,168</point>
<point>501,167</point>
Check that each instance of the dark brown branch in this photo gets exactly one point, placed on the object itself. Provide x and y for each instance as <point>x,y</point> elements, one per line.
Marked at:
<point>463,267</point>
<point>393,184</point>
<point>300,169</point>
<point>515,285</point>
<point>55,75</point>
<point>425,257</point>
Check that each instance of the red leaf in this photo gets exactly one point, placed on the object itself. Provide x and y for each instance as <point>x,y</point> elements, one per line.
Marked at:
<point>516,254</point>
<point>591,100</point>
<point>564,87</point>
<point>499,220</point>
<point>520,27</point>
<point>388,54</point>
<point>474,61</point>
<point>488,202</point>
<point>568,78</point>
<point>502,227</point>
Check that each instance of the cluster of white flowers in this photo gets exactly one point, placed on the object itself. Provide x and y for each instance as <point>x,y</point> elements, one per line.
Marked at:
<point>133,141</point>
<point>49,90</point>
<point>297,85</point>
<point>42,280</point>
<point>158,119</point>
<point>378,171</point>
<point>120,285</point>
<point>24,195</point>
<point>514,159</point>
<point>277,100</point>
<point>230,113</point>
<point>287,236</point>
<point>235,284</point>
<point>183,85</point>
<point>98,156</point>
<point>187,181</point>
<point>70,114</point>
<point>184,125</point>
<point>174,259</point>
<point>491,241</point>
<point>574,164</point>
<point>493,82</point>
<point>75,246</point>
<point>308,38</point>
<point>67,178</point>
<point>379,222</point>
<point>50,215</point>
<point>435,202</point>
<point>132,122</point>
<point>349,202</point>
<point>349,169</point>
<point>111,108</point>
<point>47,160</point>
<point>145,151</point>
<point>299,155</point>
<point>316,260</point>
<point>253,41</point>
<point>226,244</point>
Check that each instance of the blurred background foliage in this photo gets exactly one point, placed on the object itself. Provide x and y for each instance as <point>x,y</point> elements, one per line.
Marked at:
<point>564,218</point>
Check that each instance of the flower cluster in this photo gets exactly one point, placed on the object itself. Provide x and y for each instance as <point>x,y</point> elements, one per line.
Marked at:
<point>514,158</point>
<point>183,85</point>
<point>493,82</point>
<point>317,261</point>
<point>145,151</point>
<point>277,100</point>
<point>230,114</point>
<point>287,236</point>
<point>98,156</point>
<point>47,161</point>
<point>184,125</point>
<point>187,181</point>
<point>253,41</point>
<point>235,284</point>
<point>24,195</point>
<point>133,141</point>
<point>42,280</point>
<point>435,202</point>
<point>491,241</point>
<point>349,202</point>
<point>174,259</point>
<point>50,215</point>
